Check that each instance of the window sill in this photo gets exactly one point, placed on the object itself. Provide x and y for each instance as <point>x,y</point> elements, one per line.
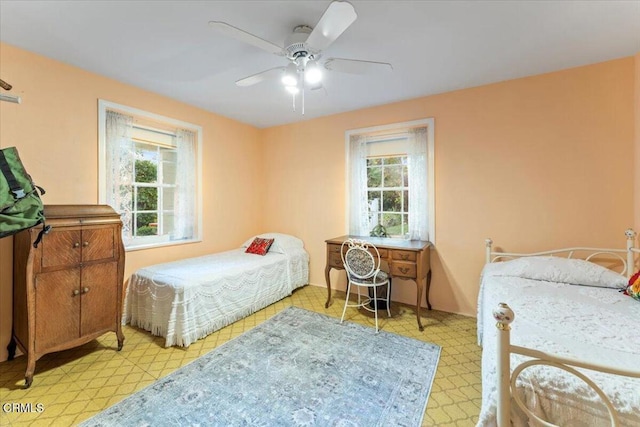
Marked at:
<point>150,245</point>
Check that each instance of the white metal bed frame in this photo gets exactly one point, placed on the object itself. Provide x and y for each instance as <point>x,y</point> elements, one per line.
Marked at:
<point>506,381</point>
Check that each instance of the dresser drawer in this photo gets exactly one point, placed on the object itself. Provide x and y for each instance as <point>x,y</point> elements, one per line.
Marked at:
<point>61,247</point>
<point>403,269</point>
<point>99,243</point>
<point>403,255</point>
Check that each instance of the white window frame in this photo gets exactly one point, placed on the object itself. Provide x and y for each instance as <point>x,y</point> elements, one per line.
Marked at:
<point>429,123</point>
<point>160,241</point>
<point>382,189</point>
<point>160,209</point>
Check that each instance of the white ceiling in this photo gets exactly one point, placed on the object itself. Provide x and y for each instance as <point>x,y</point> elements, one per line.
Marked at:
<point>167,46</point>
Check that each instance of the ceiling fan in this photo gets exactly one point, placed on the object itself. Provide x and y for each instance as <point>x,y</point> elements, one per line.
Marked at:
<point>303,48</point>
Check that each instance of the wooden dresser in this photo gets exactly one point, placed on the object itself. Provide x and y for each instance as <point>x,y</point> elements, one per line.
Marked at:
<point>67,290</point>
<point>407,259</point>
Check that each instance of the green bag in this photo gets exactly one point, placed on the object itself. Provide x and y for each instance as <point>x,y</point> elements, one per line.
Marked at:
<point>20,203</point>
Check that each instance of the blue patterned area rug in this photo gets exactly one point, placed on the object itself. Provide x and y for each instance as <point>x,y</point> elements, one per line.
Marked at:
<point>298,368</point>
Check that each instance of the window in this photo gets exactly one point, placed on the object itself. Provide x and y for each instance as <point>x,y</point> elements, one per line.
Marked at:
<point>150,174</point>
<point>391,180</point>
<point>388,194</point>
<point>154,187</point>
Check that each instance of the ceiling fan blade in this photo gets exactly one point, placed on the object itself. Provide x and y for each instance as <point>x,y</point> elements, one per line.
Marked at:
<point>243,36</point>
<point>337,18</point>
<point>271,74</point>
<point>354,66</point>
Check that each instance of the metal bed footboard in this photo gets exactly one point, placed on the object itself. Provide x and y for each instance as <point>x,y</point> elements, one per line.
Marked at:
<point>507,379</point>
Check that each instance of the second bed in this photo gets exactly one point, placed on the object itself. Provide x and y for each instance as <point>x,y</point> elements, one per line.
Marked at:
<point>186,300</point>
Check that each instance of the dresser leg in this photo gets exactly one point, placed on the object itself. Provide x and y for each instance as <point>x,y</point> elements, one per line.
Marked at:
<point>31,368</point>
<point>120,336</point>
<point>327,279</point>
<point>11,348</point>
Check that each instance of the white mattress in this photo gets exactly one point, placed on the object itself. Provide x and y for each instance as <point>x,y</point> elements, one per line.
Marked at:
<point>186,300</point>
<point>598,325</point>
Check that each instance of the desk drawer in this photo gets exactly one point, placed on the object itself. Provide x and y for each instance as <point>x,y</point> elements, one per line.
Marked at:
<point>333,249</point>
<point>403,269</point>
<point>336,249</point>
<point>403,255</point>
<point>335,260</point>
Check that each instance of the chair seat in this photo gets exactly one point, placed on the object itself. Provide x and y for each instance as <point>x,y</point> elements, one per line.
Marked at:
<point>380,279</point>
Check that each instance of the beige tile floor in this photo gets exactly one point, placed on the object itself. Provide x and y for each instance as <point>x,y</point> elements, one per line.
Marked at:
<point>75,384</point>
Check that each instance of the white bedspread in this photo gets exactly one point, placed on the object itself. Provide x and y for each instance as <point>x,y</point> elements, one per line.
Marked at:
<point>186,300</point>
<point>598,325</point>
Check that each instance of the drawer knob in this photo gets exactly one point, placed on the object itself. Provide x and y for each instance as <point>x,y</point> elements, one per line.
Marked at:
<point>85,290</point>
<point>76,245</point>
<point>404,257</point>
<point>85,244</point>
<point>403,270</point>
<point>76,292</point>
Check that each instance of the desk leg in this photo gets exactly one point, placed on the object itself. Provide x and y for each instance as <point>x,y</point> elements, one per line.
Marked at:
<point>327,278</point>
<point>428,287</point>
<point>418,284</point>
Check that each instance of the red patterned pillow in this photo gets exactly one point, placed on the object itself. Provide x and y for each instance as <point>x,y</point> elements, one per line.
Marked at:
<point>633,290</point>
<point>259,246</point>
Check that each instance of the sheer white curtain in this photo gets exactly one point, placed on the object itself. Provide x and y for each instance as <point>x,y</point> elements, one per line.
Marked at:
<point>358,206</point>
<point>418,195</point>
<point>185,194</point>
<point>119,167</point>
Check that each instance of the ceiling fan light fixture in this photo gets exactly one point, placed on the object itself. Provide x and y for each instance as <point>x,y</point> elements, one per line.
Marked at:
<point>293,90</point>
<point>290,77</point>
<point>303,48</point>
<point>312,73</point>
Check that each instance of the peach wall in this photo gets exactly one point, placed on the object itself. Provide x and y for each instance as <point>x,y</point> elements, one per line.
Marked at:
<point>534,163</point>
<point>55,131</point>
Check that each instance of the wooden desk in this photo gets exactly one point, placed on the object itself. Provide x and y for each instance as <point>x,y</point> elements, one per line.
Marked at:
<point>407,259</point>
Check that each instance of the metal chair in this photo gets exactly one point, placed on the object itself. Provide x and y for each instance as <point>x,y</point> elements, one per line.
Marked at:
<point>361,260</point>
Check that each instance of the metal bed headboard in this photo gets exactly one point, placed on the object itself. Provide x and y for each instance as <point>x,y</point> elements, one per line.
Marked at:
<point>626,256</point>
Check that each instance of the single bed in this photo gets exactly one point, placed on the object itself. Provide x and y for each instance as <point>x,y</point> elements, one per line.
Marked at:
<point>570,314</point>
<point>186,300</point>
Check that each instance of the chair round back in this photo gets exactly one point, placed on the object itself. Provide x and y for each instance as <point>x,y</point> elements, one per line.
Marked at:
<point>358,261</point>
